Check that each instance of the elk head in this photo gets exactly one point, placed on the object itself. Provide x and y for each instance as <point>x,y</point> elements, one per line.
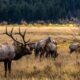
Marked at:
<point>21,48</point>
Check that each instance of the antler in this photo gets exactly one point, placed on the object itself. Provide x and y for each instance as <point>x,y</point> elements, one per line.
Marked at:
<point>11,36</point>
<point>23,36</point>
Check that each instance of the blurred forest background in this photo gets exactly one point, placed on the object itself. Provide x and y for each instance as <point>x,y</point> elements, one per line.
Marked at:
<point>15,11</point>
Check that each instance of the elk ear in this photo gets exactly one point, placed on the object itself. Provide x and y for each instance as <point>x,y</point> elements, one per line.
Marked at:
<point>48,39</point>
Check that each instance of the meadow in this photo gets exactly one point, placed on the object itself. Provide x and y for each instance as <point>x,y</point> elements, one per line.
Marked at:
<point>65,67</point>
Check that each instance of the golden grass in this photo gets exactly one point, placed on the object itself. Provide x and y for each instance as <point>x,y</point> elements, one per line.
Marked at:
<point>65,67</point>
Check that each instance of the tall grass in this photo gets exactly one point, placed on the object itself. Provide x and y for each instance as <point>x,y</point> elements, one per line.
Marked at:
<point>65,67</point>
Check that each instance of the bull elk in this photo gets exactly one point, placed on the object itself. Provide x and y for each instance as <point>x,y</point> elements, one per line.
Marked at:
<point>15,51</point>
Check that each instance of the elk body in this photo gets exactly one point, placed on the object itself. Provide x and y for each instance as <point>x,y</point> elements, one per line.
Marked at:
<point>73,47</point>
<point>13,52</point>
<point>6,51</point>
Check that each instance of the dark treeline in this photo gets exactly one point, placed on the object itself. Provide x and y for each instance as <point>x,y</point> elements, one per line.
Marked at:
<point>32,10</point>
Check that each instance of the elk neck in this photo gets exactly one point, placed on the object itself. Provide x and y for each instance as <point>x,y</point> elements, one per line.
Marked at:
<point>19,53</point>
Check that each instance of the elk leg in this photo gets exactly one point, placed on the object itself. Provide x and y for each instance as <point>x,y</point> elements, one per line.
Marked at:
<point>9,67</point>
<point>36,53</point>
<point>52,55</point>
<point>5,66</point>
<point>47,54</point>
<point>42,54</point>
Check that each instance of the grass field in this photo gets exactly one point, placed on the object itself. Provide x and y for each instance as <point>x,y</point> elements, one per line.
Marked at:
<point>65,67</point>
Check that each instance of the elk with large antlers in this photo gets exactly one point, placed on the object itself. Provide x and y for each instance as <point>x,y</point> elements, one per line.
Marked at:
<point>15,51</point>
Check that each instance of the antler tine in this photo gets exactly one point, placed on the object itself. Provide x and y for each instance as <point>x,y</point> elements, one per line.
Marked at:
<point>22,35</point>
<point>7,32</point>
<point>6,29</point>
<point>26,42</point>
<point>12,30</point>
<point>19,31</point>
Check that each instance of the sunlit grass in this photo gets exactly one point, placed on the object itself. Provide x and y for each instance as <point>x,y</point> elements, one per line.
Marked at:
<point>65,67</point>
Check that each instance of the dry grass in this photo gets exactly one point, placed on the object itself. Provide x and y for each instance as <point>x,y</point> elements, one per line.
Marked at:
<point>65,67</point>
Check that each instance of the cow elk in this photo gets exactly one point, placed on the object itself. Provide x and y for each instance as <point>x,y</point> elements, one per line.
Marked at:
<point>74,47</point>
<point>51,50</point>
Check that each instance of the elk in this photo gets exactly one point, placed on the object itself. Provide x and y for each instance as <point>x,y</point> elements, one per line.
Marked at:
<point>51,50</point>
<point>74,47</point>
<point>15,51</point>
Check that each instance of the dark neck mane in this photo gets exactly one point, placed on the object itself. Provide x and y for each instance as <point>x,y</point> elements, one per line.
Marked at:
<point>18,53</point>
<point>17,56</point>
